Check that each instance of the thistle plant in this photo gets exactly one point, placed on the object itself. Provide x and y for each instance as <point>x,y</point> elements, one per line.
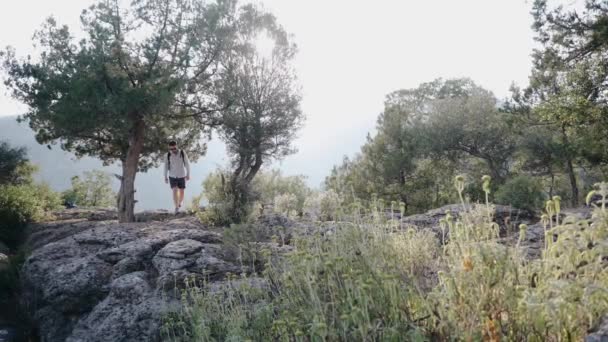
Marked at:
<point>523,228</point>
<point>600,189</point>
<point>459,184</point>
<point>557,207</point>
<point>368,281</point>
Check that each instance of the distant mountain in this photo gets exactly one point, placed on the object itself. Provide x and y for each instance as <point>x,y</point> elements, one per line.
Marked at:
<point>58,166</point>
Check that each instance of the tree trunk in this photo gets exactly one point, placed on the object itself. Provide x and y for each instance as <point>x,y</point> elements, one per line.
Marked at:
<point>126,195</point>
<point>239,187</point>
<point>552,185</point>
<point>573,185</point>
<point>570,169</point>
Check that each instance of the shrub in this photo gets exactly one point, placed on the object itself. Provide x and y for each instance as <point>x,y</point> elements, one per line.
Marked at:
<point>521,192</point>
<point>369,280</point>
<point>270,185</point>
<point>322,206</point>
<point>14,167</point>
<point>22,204</point>
<point>94,191</point>
<point>216,192</point>
<point>266,188</point>
<point>287,204</point>
<point>323,291</point>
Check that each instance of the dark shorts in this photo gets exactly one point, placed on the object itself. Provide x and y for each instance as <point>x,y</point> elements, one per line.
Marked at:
<point>177,182</point>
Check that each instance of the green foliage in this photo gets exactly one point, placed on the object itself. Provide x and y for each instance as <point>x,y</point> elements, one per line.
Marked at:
<point>261,124</point>
<point>146,72</point>
<point>286,194</point>
<point>323,292</point>
<point>22,204</point>
<point>287,204</point>
<point>219,200</point>
<point>323,206</point>
<point>14,166</point>
<point>425,136</point>
<point>522,192</point>
<point>95,190</point>
<point>270,186</point>
<point>370,280</point>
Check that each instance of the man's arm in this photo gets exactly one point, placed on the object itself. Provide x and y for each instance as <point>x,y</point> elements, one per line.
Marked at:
<point>187,165</point>
<point>166,168</point>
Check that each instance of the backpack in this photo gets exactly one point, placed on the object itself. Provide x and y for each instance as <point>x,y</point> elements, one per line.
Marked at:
<point>181,153</point>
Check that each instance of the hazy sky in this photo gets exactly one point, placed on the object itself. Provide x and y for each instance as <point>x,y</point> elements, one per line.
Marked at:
<point>351,54</point>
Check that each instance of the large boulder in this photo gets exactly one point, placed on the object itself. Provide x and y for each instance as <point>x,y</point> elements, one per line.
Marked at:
<point>508,218</point>
<point>600,334</point>
<point>107,281</point>
<point>4,262</point>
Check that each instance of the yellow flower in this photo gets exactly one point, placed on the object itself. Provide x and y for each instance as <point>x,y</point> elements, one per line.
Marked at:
<point>491,332</point>
<point>467,263</point>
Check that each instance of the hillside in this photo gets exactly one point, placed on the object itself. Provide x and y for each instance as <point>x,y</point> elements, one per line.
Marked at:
<point>90,278</point>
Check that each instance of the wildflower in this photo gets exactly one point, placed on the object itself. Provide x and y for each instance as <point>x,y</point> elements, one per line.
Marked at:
<point>550,208</point>
<point>544,219</point>
<point>459,183</point>
<point>522,232</point>
<point>491,332</point>
<point>486,183</point>
<point>467,263</point>
<point>590,197</point>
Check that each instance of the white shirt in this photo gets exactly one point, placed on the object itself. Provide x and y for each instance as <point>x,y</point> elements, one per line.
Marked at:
<point>179,168</point>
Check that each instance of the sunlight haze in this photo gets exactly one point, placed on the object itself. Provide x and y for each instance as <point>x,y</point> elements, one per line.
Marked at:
<point>351,54</point>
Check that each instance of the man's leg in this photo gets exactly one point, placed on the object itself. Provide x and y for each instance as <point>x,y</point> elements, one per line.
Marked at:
<point>175,197</point>
<point>181,185</point>
<point>181,197</point>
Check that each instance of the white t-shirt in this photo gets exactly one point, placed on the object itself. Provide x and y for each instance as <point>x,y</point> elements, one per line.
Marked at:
<point>179,168</point>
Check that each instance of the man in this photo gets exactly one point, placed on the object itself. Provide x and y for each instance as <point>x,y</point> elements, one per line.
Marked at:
<point>177,166</point>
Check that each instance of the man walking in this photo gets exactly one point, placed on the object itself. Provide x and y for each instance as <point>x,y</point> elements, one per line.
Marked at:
<point>177,166</point>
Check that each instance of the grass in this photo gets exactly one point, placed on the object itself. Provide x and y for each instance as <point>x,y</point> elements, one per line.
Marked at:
<point>371,280</point>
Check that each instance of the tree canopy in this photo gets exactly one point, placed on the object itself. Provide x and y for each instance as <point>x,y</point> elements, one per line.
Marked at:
<point>144,73</point>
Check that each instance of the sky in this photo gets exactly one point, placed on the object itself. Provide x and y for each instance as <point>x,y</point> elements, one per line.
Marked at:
<point>351,54</point>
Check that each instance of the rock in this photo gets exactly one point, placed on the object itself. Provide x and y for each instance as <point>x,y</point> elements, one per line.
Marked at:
<point>8,334</point>
<point>4,248</point>
<point>108,281</point>
<point>600,334</point>
<point>507,217</point>
<point>4,262</point>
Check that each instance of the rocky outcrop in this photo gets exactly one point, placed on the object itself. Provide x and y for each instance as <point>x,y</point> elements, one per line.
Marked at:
<point>600,334</point>
<point>105,214</point>
<point>506,216</point>
<point>90,278</point>
<point>106,281</point>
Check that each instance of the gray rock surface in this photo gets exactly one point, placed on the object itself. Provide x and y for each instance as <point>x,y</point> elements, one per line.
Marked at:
<point>601,333</point>
<point>94,279</point>
<point>4,248</point>
<point>4,262</point>
<point>90,280</point>
<point>508,218</point>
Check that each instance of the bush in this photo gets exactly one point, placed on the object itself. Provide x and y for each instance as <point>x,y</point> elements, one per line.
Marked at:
<point>219,200</point>
<point>94,191</point>
<point>345,288</point>
<point>370,281</point>
<point>22,204</point>
<point>521,192</point>
<point>266,189</point>
<point>324,206</point>
<point>14,167</point>
<point>269,186</point>
<point>287,204</point>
